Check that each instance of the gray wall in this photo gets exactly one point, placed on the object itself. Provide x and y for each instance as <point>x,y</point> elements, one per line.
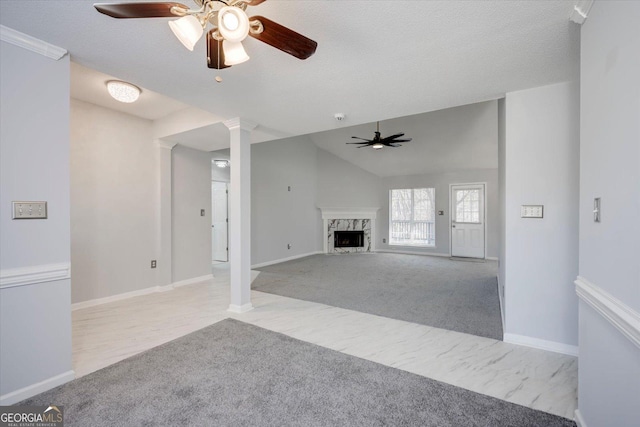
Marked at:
<point>441,182</point>
<point>191,233</point>
<point>541,167</point>
<point>113,202</point>
<point>342,184</point>
<point>278,216</point>
<point>35,319</point>
<point>609,376</point>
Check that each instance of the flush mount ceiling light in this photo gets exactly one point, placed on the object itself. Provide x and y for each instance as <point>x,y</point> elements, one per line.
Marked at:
<point>229,26</point>
<point>222,163</point>
<point>377,143</point>
<point>123,91</point>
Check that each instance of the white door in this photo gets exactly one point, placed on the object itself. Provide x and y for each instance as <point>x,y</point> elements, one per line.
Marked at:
<point>467,220</point>
<point>219,222</point>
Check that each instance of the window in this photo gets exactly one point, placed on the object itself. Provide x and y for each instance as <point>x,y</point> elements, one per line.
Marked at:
<point>468,206</point>
<point>412,217</point>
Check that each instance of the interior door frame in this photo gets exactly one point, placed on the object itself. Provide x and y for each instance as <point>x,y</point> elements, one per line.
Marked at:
<point>227,227</point>
<point>484,223</point>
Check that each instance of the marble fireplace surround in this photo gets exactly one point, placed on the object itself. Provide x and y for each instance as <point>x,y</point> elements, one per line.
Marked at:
<point>349,219</point>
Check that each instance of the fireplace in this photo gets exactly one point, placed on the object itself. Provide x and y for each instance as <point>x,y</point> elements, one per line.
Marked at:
<point>336,221</point>
<point>348,239</point>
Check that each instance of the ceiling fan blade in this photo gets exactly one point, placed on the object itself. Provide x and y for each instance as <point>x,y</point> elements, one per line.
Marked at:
<point>215,53</point>
<point>139,10</point>
<point>391,145</point>
<point>401,140</point>
<point>365,143</point>
<point>357,137</point>
<point>253,2</point>
<point>397,135</point>
<point>284,39</point>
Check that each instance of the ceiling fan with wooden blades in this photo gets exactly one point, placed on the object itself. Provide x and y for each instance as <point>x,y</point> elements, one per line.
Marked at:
<point>377,142</point>
<point>229,26</point>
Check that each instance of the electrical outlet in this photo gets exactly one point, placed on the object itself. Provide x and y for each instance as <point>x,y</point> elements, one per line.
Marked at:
<point>153,263</point>
<point>384,240</point>
<point>201,212</point>
<point>29,210</point>
<point>288,245</point>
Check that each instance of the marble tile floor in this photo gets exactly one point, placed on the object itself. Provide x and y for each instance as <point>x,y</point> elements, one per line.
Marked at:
<point>108,333</point>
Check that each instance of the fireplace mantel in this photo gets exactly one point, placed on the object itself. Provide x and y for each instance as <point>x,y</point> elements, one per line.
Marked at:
<point>349,213</point>
<point>331,214</point>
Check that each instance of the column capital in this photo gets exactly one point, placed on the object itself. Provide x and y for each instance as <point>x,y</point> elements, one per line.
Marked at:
<point>238,122</point>
<point>165,144</point>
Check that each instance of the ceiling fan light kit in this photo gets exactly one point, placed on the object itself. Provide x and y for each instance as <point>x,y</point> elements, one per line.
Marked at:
<point>123,91</point>
<point>230,26</point>
<point>188,30</point>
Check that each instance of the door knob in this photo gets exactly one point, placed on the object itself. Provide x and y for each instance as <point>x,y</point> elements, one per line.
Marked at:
<point>453,226</point>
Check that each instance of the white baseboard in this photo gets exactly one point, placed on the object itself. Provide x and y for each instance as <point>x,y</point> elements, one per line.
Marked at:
<point>491,258</point>
<point>621,316</point>
<point>12,277</point>
<point>140,292</point>
<point>556,347</point>
<point>578,419</point>
<point>291,258</point>
<point>192,281</point>
<point>37,388</point>
<point>391,251</point>
<point>240,308</point>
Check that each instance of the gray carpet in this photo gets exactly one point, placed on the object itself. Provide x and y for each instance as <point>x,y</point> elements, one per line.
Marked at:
<point>236,374</point>
<point>456,295</point>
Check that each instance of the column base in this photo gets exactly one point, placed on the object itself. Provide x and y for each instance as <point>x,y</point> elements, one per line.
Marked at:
<point>240,308</point>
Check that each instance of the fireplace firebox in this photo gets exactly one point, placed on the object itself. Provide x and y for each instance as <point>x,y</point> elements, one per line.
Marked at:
<point>348,239</point>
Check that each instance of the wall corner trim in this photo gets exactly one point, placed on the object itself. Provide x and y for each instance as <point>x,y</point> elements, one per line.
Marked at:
<point>578,419</point>
<point>33,44</point>
<point>12,277</point>
<point>37,388</point>
<point>621,316</point>
<point>556,347</point>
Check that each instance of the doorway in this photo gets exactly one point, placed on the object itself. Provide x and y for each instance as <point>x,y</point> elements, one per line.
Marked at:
<point>468,227</point>
<point>219,221</point>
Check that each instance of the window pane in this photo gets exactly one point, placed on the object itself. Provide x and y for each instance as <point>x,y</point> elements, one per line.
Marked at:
<point>468,205</point>
<point>412,219</point>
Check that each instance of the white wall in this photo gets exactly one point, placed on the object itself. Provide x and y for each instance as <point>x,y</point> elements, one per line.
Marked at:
<point>609,376</point>
<point>441,181</point>
<point>113,202</point>
<point>35,319</point>
<point>502,235</point>
<point>191,233</point>
<point>541,167</point>
<point>278,216</point>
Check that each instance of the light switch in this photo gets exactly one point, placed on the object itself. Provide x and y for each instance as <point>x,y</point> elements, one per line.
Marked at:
<point>531,211</point>
<point>29,210</point>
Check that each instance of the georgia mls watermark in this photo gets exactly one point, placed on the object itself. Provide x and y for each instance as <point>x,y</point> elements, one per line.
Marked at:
<point>31,416</point>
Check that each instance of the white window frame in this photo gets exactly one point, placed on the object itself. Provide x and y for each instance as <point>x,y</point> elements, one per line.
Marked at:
<point>392,242</point>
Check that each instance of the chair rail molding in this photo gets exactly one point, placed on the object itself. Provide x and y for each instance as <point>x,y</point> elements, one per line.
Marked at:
<point>12,277</point>
<point>620,315</point>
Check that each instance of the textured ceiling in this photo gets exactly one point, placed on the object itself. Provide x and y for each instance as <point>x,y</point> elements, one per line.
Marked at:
<point>375,60</point>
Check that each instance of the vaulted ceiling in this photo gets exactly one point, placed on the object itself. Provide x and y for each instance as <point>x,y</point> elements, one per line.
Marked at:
<point>375,60</point>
